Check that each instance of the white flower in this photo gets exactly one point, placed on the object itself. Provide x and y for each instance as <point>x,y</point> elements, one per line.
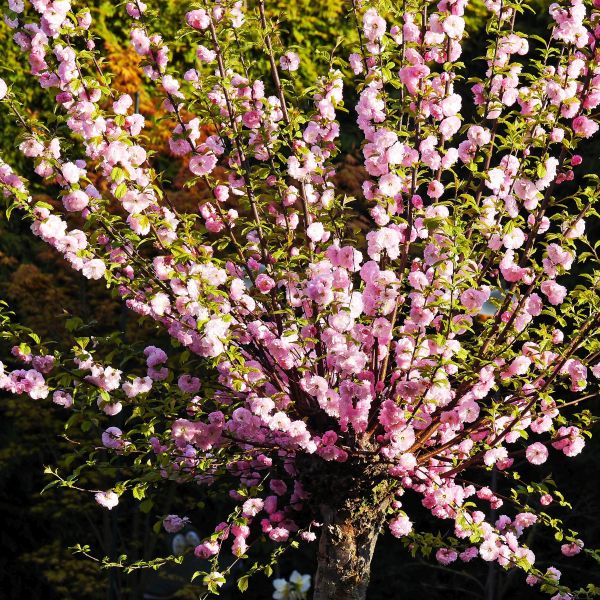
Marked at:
<point>282,589</point>
<point>107,499</point>
<point>301,582</point>
<point>295,589</point>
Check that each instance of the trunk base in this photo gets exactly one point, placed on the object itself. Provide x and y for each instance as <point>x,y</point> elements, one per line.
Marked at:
<point>352,499</point>
<point>345,552</point>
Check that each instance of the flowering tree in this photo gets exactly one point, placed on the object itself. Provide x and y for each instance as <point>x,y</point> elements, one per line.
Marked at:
<point>317,373</point>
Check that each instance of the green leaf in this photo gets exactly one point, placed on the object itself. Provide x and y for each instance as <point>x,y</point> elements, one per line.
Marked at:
<point>139,492</point>
<point>121,190</point>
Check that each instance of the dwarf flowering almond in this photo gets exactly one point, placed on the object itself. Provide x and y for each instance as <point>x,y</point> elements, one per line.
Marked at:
<point>320,350</point>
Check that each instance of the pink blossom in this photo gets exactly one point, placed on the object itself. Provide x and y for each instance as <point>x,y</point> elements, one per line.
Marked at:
<point>554,292</point>
<point>203,164</point>
<point>374,25</point>
<point>109,408</point>
<point>62,398</point>
<point>198,19</point>
<point>171,85</point>
<point>279,534</point>
<point>122,105</point>
<point>572,549</point>
<point>473,299</point>
<point>77,200</point>
<point>315,353</point>
<point>111,438</point>
<point>454,26</point>
<point>489,549</point>
<point>264,283</point>
<point>205,54</point>
<point>492,456</point>
<point>94,269</point>
<point>290,61</point>
<point>537,453</point>
<point>71,172</point>
<point>16,5</point>
<point>31,147</point>
<point>411,77</point>
<point>384,239</point>
<point>135,10</point>
<point>188,384</point>
<point>174,523</point>
<point>207,549</point>
<point>356,63</point>
<point>445,556</point>
<point>468,554</point>
<point>584,127</point>
<point>140,385</point>
<point>435,189</point>
<point>252,507</point>
<point>400,526</point>
<point>479,135</point>
<point>514,239</point>
<point>315,232</point>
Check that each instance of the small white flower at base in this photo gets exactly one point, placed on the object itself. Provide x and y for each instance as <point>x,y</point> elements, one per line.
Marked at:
<point>301,582</point>
<point>282,589</point>
<point>294,589</point>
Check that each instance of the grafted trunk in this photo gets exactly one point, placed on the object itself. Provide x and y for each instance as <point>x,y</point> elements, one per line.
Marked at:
<point>350,499</point>
<point>346,547</point>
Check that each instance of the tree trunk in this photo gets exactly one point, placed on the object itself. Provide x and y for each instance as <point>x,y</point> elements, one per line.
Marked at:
<point>346,548</point>
<point>351,500</point>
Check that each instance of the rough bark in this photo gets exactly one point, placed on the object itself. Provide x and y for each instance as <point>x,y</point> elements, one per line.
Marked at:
<point>350,499</point>
<point>346,549</point>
